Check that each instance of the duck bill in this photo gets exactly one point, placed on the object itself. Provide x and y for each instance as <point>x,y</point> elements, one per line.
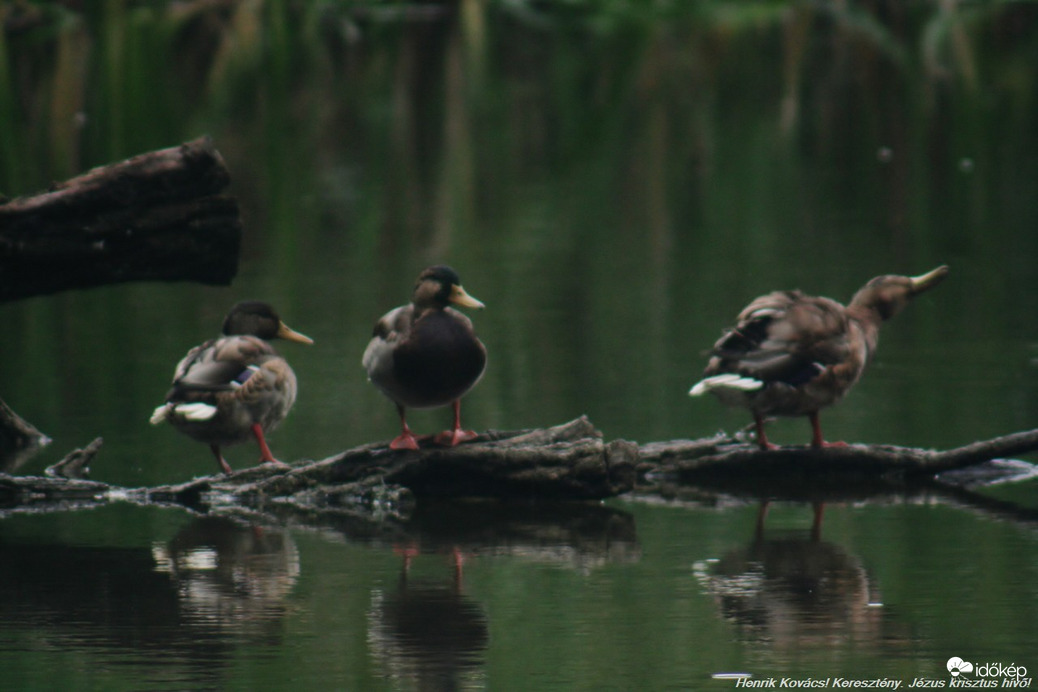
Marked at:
<point>460,297</point>
<point>289,334</point>
<point>929,279</point>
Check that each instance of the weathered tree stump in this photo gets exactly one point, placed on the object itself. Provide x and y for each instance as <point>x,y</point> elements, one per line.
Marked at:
<point>159,216</point>
<point>16,433</point>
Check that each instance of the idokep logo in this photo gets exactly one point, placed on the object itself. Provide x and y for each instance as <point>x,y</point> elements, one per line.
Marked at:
<point>956,666</point>
<point>987,674</point>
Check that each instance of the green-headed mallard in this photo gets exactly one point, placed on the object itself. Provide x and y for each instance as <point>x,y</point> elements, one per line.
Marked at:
<point>791,354</point>
<point>426,355</point>
<point>236,386</point>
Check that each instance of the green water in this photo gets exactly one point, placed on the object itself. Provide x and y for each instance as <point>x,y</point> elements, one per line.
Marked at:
<point>615,182</point>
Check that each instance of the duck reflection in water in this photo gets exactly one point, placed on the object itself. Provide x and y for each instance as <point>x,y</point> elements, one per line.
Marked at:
<point>230,575</point>
<point>428,632</point>
<point>187,605</point>
<point>796,591</point>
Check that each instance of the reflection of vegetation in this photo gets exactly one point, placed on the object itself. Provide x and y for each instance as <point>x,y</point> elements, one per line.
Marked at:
<point>82,86</point>
<point>446,107</point>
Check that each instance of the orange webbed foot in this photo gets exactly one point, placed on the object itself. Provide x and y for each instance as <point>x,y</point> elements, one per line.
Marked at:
<point>450,438</point>
<point>404,441</point>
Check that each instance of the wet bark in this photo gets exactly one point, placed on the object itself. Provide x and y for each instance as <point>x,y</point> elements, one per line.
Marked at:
<point>16,433</point>
<point>159,216</point>
<point>689,460</point>
<point>566,462</point>
<point>853,472</point>
<point>569,462</point>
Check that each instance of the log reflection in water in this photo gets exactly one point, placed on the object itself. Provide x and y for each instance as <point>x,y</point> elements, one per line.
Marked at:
<point>580,536</point>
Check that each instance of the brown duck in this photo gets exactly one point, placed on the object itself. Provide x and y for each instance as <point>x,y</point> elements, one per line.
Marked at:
<point>235,387</point>
<point>426,354</point>
<point>791,354</point>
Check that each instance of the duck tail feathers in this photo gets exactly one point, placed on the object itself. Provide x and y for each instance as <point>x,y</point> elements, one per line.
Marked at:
<point>194,412</point>
<point>160,414</point>
<point>726,381</point>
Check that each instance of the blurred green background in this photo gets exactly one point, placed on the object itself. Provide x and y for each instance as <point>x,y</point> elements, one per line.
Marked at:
<point>615,179</point>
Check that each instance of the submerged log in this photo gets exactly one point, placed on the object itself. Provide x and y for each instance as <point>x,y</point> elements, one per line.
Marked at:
<point>159,216</point>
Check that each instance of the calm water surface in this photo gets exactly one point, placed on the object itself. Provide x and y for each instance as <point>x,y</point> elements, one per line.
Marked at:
<point>614,194</point>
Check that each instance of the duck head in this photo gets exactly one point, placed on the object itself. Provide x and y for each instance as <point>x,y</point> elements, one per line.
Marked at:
<point>440,286</point>
<point>885,296</point>
<point>256,318</point>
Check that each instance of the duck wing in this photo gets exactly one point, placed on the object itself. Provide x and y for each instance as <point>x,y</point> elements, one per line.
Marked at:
<point>219,365</point>
<point>785,337</point>
<point>395,325</point>
<point>391,329</point>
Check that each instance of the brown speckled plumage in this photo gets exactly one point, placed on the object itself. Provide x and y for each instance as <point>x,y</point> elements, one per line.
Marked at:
<point>235,387</point>
<point>790,354</point>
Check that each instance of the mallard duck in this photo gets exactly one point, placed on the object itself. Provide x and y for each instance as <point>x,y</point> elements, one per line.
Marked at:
<point>426,355</point>
<point>791,354</point>
<point>236,386</point>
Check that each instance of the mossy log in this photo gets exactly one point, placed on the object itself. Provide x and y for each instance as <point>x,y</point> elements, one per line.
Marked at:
<point>159,216</point>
